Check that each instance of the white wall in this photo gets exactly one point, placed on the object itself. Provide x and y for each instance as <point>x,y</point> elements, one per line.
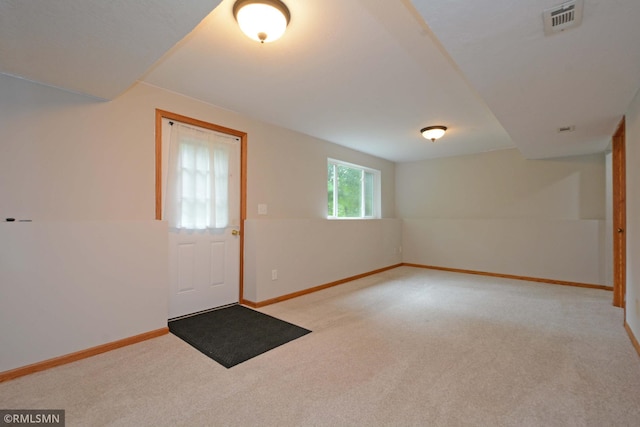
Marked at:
<point>66,160</point>
<point>566,250</point>
<point>83,171</point>
<point>608,224</point>
<point>502,184</point>
<point>500,213</point>
<point>72,285</point>
<point>107,153</point>
<point>632,135</point>
<point>313,252</point>
<point>287,172</point>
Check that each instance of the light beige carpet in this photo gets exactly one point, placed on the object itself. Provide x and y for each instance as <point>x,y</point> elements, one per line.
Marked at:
<point>407,347</point>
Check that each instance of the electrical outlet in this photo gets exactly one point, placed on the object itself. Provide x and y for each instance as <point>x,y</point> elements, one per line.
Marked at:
<point>400,249</point>
<point>274,274</point>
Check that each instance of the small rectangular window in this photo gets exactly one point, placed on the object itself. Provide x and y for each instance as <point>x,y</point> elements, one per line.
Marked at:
<point>352,191</point>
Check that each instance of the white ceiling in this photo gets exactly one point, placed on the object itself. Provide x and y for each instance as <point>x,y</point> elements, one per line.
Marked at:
<point>96,47</point>
<point>367,74</point>
<point>534,84</point>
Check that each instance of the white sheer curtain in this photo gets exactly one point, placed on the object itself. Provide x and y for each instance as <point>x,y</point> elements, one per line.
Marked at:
<point>203,180</point>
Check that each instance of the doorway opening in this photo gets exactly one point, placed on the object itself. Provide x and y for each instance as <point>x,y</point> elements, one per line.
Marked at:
<point>619,215</point>
<point>201,193</point>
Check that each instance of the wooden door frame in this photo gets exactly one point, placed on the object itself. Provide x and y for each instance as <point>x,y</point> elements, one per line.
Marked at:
<point>618,170</point>
<point>160,114</point>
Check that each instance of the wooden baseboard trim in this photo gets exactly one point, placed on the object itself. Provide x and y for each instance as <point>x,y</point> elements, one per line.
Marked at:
<point>78,355</point>
<point>315,289</point>
<point>512,276</point>
<point>634,341</point>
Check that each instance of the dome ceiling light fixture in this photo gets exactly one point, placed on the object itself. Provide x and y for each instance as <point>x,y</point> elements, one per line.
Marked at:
<point>262,20</point>
<point>433,132</point>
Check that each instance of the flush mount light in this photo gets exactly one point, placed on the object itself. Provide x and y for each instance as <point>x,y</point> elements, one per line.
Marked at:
<point>262,20</point>
<point>433,132</point>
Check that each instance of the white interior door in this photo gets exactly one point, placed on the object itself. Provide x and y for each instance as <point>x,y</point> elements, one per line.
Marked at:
<point>204,269</point>
<point>204,264</point>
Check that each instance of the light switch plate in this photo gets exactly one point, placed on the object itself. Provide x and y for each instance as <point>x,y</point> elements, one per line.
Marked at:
<point>262,209</point>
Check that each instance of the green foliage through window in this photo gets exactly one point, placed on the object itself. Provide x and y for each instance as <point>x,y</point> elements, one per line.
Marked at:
<point>351,190</point>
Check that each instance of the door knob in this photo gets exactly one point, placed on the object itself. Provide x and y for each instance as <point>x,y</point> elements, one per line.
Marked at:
<point>620,230</point>
<point>235,232</point>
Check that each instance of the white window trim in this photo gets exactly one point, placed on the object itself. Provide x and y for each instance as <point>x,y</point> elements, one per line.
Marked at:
<point>377,182</point>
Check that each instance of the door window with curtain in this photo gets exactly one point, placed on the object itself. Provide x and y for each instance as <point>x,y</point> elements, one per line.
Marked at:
<point>202,179</point>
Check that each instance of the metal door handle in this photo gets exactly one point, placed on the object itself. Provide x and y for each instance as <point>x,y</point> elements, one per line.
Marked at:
<point>235,232</point>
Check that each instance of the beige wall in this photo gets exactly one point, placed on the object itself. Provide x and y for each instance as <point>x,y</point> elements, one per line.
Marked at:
<point>633,216</point>
<point>81,168</point>
<point>287,172</point>
<point>71,157</point>
<point>66,286</point>
<point>608,224</point>
<point>500,213</point>
<point>313,252</point>
<point>68,161</point>
<point>502,184</point>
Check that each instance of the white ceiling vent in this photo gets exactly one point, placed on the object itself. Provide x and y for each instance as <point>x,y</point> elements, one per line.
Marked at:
<point>562,17</point>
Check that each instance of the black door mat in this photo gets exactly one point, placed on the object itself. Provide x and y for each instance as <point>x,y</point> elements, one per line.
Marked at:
<point>234,334</point>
